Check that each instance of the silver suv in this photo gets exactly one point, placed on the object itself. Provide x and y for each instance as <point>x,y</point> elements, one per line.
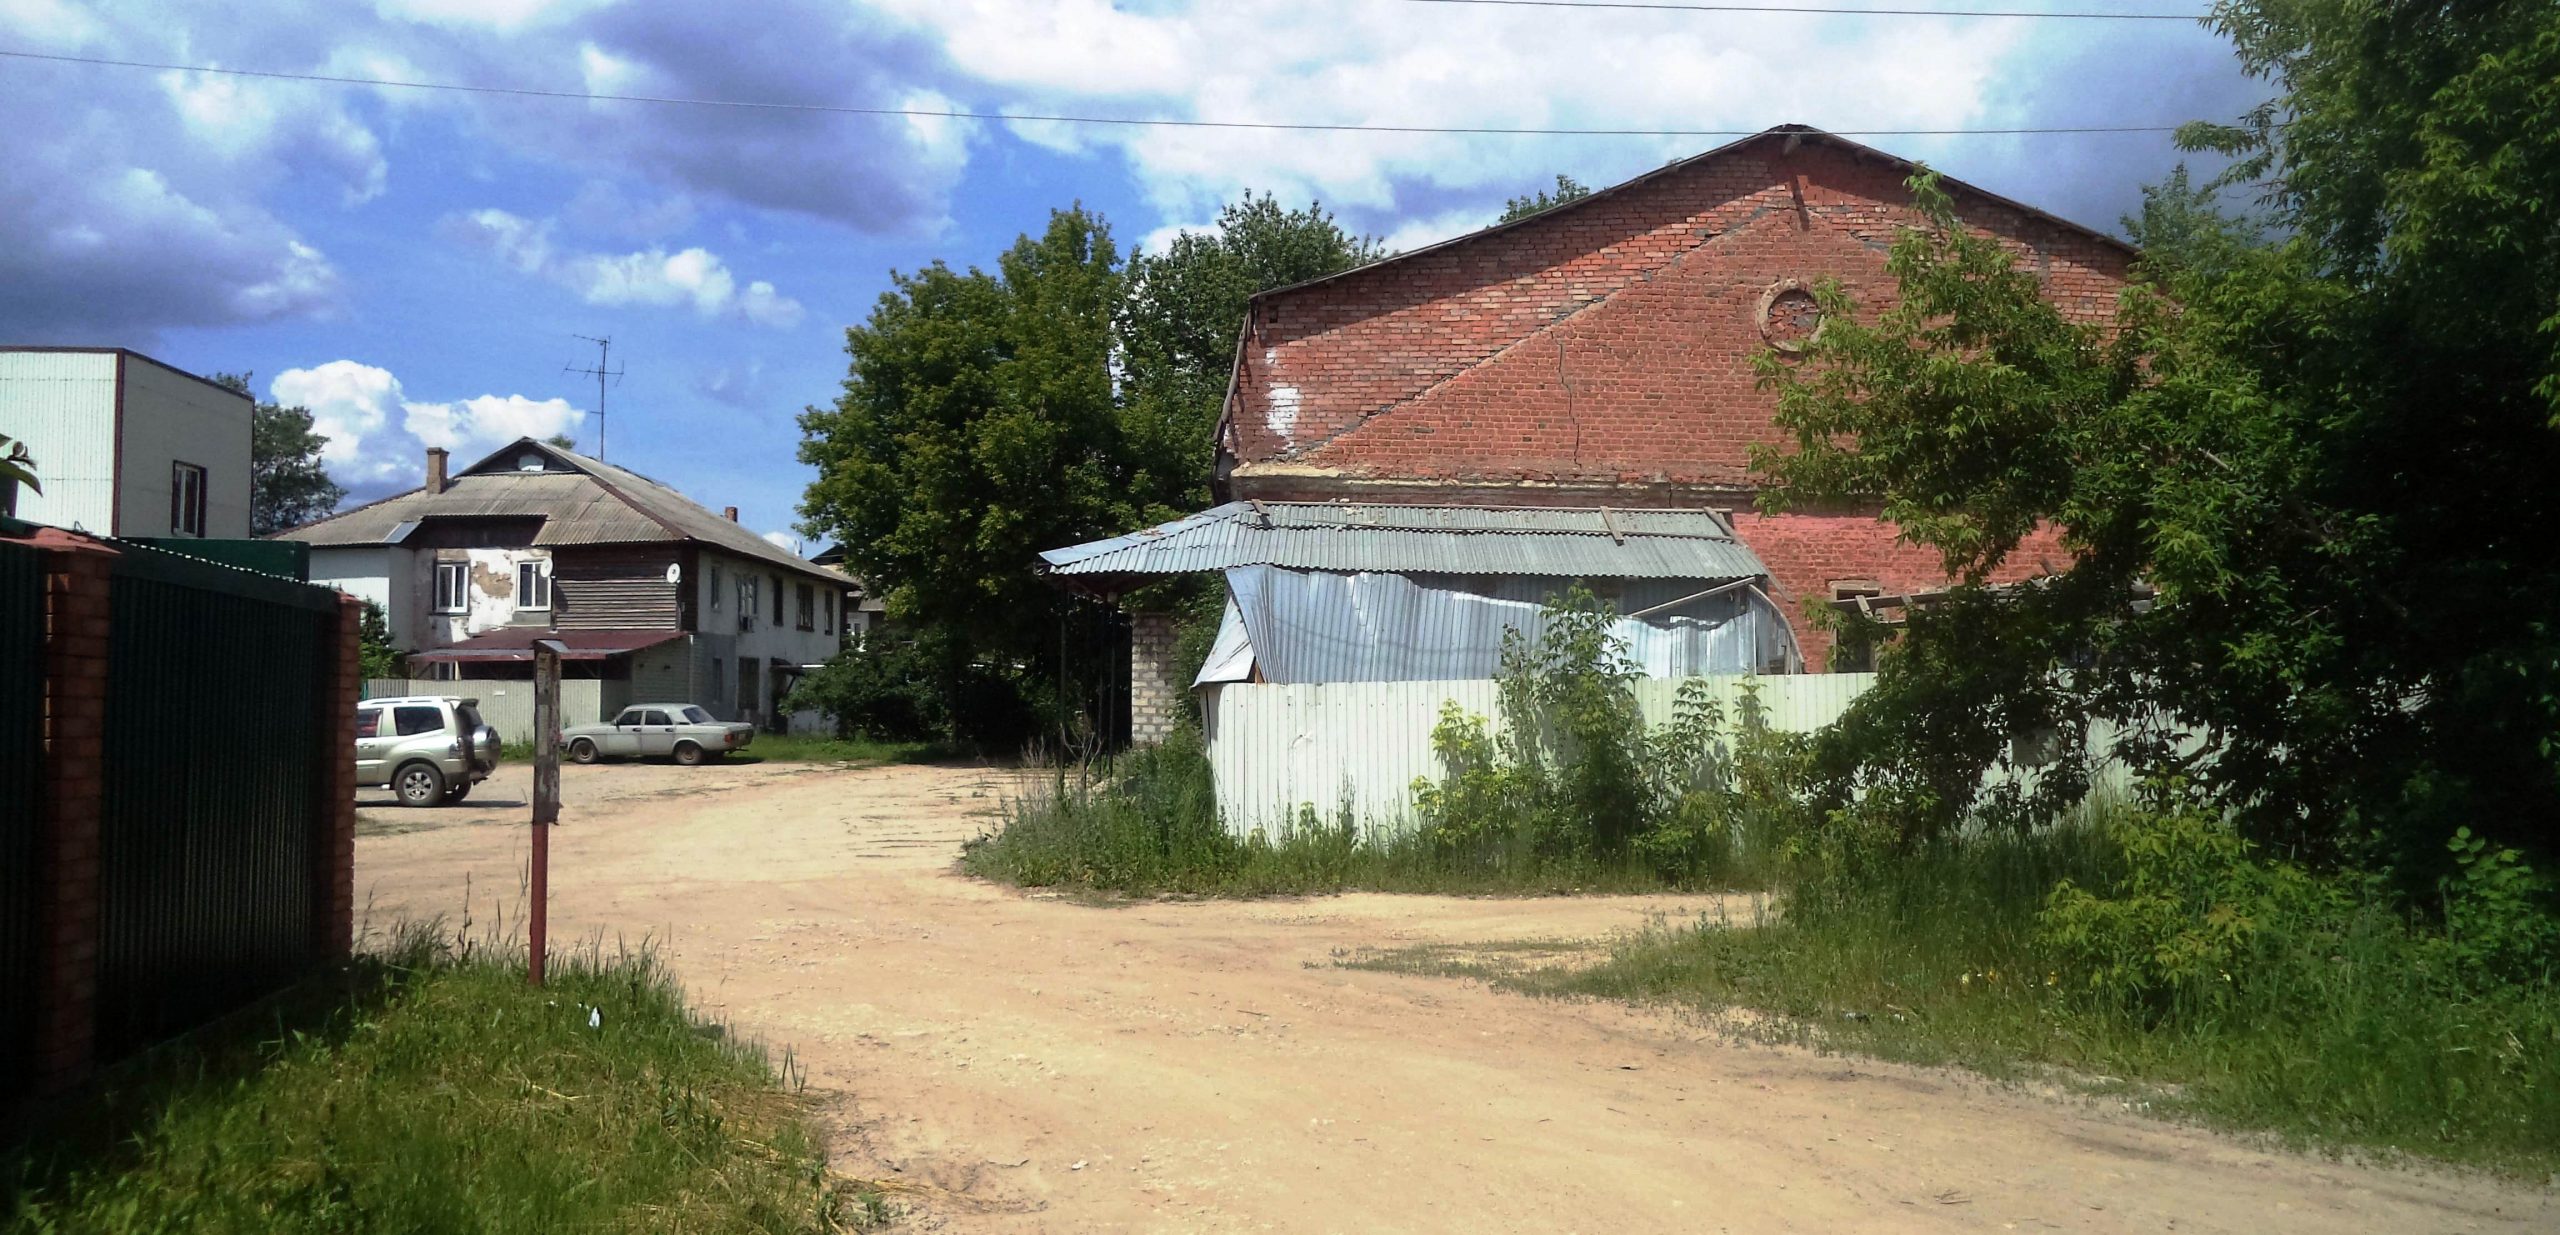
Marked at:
<point>430,749</point>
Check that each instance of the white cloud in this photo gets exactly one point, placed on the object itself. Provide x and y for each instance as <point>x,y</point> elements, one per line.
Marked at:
<point>1413,233</point>
<point>368,449</point>
<point>480,424</point>
<point>784,541</point>
<point>504,16</point>
<point>694,277</point>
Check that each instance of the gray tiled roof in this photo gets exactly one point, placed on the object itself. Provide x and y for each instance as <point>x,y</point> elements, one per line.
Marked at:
<point>595,504</point>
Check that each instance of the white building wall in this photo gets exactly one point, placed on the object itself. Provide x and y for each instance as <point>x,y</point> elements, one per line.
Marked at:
<point>63,406</point>
<point>760,639</point>
<point>381,574</point>
<point>172,417</point>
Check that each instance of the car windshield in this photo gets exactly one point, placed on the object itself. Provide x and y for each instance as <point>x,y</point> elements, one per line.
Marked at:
<point>696,716</point>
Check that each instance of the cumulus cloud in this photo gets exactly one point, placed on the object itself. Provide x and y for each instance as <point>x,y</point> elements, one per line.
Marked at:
<point>694,277</point>
<point>377,435</point>
<point>784,541</point>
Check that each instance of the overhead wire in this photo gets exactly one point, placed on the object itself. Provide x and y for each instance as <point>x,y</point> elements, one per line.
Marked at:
<point>1042,117</point>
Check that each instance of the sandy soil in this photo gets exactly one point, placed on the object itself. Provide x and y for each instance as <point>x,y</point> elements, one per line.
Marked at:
<point>1029,1063</point>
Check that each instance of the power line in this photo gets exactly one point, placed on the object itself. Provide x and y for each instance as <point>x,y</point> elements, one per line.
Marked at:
<point>1131,121</point>
<point>1641,5</point>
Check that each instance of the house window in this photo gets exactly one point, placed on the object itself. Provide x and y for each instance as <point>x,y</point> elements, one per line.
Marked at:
<point>453,587</point>
<point>186,500</point>
<point>717,585</point>
<point>533,585</point>
<point>808,607</point>
<point>746,602</point>
<point>830,627</point>
<point>777,600</point>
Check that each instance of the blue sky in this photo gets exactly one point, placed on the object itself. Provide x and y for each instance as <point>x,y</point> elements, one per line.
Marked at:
<point>414,265</point>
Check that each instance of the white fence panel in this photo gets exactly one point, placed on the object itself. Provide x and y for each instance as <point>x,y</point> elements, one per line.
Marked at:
<point>1278,749</point>
<point>505,705</point>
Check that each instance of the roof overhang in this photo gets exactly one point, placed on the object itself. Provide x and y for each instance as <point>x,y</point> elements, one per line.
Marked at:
<point>517,645</point>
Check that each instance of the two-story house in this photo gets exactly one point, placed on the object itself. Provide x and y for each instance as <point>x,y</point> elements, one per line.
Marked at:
<point>660,598</point>
<point>125,445</point>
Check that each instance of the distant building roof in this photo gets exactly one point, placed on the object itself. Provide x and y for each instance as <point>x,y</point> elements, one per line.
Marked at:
<point>581,501</point>
<point>1448,540</point>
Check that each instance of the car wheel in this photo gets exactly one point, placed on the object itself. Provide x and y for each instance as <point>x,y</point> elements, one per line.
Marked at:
<point>583,751</point>
<point>688,754</point>
<point>419,784</point>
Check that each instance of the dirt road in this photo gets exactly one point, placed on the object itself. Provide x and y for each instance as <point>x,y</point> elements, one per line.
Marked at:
<point>1021,1063</point>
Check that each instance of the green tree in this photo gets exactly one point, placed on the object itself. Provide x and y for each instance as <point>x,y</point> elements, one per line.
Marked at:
<point>1567,189</point>
<point>976,428</point>
<point>2328,454</point>
<point>375,654</point>
<point>1176,333</point>
<point>288,485</point>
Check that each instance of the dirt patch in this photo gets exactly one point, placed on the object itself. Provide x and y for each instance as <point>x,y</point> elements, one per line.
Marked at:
<point>1025,1063</point>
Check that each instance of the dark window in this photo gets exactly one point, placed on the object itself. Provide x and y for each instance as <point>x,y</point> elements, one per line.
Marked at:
<point>808,607</point>
<point>411,720</point>
<point>830,627</point>
<point>533,585</point>
<point>777,600</point>
<point>186,500</point>
<point>453,586</point>
<point>696,716</point>
<point>630,716</point>
<point>716,603</point>
<point>746,602</point>
<point>655,718</point>
<point>368,722</point>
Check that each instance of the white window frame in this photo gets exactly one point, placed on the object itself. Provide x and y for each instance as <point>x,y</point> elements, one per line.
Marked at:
<point>719,584</point>
<point>533,579</point>
<point>460,573</point>
<point>186,502</point>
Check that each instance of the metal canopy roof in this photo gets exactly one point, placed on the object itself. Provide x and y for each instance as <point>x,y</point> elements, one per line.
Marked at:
<point>517,644</point>
<point>1456,540</point>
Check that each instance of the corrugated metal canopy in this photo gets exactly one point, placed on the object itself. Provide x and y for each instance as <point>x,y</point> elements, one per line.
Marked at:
<point>1455,540</point>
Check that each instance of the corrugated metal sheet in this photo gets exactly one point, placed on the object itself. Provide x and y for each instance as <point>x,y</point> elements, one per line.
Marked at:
<point>1623,544</point>
<point>1322,626</point>
<point>1361,745</point>
<point>62,405</point>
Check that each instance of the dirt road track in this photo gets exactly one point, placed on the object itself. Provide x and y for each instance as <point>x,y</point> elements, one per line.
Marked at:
<point>1020,1063</point>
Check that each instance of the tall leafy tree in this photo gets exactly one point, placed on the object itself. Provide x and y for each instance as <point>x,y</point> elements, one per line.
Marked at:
<point>2329,453</point>
<point>1176,332</point>
<point>288,485</point>
<point>1567,189</point>
<point>976,428</point>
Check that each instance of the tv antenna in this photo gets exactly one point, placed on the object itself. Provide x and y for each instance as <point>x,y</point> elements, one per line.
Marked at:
<point>604,369</point>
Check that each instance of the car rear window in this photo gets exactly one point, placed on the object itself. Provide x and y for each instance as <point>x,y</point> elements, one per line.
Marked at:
<point>368,722</point>
<point>409,720</point>
<point>656,718</point>
<point>697,716</point>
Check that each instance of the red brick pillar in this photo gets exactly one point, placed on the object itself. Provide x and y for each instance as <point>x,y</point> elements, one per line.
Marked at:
<point>334,854</point>
<point>76,583</point>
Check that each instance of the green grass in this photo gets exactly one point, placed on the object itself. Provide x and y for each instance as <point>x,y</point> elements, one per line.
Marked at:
<point>432,1090</point>
<point>2346,1032</point>
<point>1153,830</point>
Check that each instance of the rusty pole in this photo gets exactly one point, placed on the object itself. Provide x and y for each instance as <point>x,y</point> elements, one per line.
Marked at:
<point>546,792</point>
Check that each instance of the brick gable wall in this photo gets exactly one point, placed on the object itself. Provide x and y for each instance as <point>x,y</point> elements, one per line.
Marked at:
<point>1601,353</point>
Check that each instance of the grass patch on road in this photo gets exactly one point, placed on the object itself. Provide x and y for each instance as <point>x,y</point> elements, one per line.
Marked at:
<point>431,1090</point>
<point>1153,829</point>
<point>2348,1026</point>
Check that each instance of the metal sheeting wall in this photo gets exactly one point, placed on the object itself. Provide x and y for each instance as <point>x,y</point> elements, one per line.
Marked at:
<point>218,786</point>
<point>1323,626</point>
<point>21,775</point>
<point>1361,745</point>
<point>506,704</point>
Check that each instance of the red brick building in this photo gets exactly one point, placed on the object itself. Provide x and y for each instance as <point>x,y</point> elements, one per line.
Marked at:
<point>1599,354</point>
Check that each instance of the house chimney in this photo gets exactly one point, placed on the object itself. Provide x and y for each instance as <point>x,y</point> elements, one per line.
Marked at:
<point>730,511</point>
<point>435,469</point>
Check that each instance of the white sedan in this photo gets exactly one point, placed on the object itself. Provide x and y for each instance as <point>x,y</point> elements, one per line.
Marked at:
<point>679,731</point>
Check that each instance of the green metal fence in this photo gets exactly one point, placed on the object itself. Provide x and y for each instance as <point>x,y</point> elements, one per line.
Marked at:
<point>217,757</point>
<point>21,769</point>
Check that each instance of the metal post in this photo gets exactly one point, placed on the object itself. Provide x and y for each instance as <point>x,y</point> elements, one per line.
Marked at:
<point>546,791</point>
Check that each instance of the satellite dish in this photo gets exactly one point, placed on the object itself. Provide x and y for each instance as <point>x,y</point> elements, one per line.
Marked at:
<point>675,572</point>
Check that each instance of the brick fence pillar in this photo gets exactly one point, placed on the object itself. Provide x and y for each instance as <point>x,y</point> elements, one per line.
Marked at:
<point>334,848</point>
<point>76,615</point>
<point>1155,696</point>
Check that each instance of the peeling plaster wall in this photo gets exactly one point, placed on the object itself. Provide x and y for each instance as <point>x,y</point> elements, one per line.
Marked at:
<point>492,601</point>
